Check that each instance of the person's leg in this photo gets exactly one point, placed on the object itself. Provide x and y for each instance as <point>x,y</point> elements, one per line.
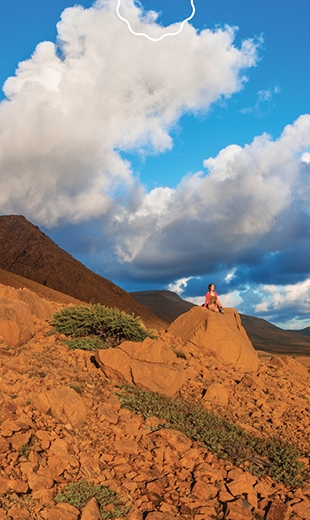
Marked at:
<point>213,307</point>
<point>220,307</point>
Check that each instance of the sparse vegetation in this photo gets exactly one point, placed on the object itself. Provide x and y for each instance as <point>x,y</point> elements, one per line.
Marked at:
<point>111,326</point>
<point>80,493</point>
<point>26,448</point>
<point>77,388</point>
<point>91,344</point>
<point>179,353</point>
<point>272,456</point>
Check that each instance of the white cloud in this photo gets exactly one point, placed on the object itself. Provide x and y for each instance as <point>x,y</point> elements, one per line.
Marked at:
<point>179,286</point>
<point>230,275</point>
<point>247,195</point>
<point>71,109</point>
<point>305,158</point>
<point>279,298</point>
<point>231,299</point>
<point>264,102</point>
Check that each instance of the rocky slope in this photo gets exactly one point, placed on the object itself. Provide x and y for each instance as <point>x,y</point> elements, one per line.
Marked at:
<point>61,422</point>
<point>29,253</point>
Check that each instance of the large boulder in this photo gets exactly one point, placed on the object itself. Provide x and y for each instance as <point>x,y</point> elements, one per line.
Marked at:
<point>16,323</point>
<point>151,364</point>
<point>18,307</point>
<point>37,306</point>
<point>218,334</point>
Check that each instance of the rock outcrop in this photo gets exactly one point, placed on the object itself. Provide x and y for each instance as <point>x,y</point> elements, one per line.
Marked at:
<point>18,310</point>
<point>151,364</point>
<point>214,333</point>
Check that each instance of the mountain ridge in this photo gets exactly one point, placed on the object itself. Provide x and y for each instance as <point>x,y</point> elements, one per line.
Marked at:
<point>26,251</point>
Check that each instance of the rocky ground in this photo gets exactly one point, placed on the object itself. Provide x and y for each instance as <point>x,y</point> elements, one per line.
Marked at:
<point>61,422</point>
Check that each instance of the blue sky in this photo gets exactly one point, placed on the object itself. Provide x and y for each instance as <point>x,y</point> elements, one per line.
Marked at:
<point>165,165</point>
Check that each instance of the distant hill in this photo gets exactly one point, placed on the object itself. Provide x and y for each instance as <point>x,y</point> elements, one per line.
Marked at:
<point>263,335</point>
<point>166,304</point>
<point>305,332</point>
<point>28,252</point>
<point>268,337</point>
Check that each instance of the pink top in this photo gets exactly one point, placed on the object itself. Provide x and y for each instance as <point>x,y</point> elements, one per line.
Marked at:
<point>208,295</point>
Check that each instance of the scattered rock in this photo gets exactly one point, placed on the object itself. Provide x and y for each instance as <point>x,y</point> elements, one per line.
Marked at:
<point>61,422</point>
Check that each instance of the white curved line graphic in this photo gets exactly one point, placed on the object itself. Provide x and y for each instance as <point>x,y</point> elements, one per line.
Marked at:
<point>164,35</point>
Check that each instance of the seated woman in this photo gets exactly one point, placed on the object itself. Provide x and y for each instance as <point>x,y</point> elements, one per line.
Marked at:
<point>212,302</point>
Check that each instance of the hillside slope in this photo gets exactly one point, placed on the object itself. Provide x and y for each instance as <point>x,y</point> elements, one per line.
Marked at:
<point>167,304</point>
<point>268,337</point>
<point>27,252</point>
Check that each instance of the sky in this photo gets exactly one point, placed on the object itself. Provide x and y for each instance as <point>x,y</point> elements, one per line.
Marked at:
<point>165,162</point>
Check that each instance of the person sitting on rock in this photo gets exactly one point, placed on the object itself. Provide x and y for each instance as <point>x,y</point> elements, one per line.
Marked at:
<point>212,302</point>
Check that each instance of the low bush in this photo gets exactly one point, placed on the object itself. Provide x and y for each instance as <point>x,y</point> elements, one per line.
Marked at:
<point>97,321</point>
<point>272,457</point>
<point>80,493</point>
<point>91,344</point>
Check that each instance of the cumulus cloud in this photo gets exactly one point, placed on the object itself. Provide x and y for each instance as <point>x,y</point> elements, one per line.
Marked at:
<point>286,302</point>
<point>238,209</point>
<point>73,107</point>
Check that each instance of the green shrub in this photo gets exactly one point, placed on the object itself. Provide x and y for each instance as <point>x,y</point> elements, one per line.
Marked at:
<point>86,344</point>
<point>272,457</point>
<point>80,493</point>
<point>108,324</point>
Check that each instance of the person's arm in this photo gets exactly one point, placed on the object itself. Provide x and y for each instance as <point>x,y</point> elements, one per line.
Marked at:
<point>206,303</point>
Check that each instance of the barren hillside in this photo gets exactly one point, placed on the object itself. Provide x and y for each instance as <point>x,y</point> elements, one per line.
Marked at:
<point>27,252</point>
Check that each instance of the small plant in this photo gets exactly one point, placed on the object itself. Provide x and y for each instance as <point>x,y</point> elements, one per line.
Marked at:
<point>24,451</point>
<point>272,457</point>
<point>80,493</point>
<point>91,344</point>
<point>78,389</point>
<point>26,448</point>
<point>179,353</point>
<point>98,321</point>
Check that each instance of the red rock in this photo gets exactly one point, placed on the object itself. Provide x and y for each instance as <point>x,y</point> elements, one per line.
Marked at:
<point>64,404</point>
<point>240,509</point>
<point>155,368</point>
<point>302,509</point>
<point>36,482</point>
<point>126,447</point>
<point>217,393</point>
<point>204,491</point>
<point>156,515</point>
<point>289,363</point>
<point>36,305</point>
<point>91,511</point>
<point>16,513</point>
<point>16,322</point>
<point>279,511</point>
<point>59,513</point>
<point>19,439</point>
<point>241,482</point>
<point>212,332</point>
